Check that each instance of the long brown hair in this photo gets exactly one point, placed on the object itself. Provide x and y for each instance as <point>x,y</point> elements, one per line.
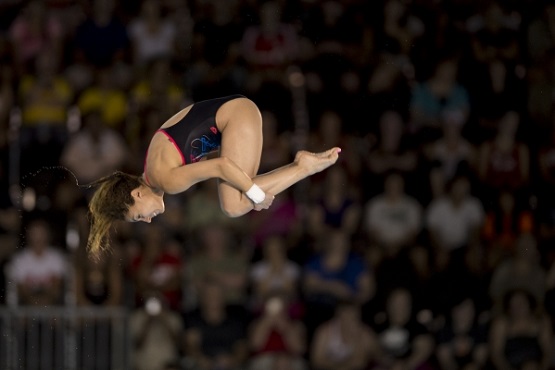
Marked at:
<point>109,203</point>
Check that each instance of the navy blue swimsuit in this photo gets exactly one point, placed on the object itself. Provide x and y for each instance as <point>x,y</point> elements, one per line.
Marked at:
<point>196,134</point>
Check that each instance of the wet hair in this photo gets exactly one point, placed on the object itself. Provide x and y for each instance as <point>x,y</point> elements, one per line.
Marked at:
<point>109,203</point>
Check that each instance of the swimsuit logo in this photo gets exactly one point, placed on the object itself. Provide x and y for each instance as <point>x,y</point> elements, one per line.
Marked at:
<point>214,130</point>
<point>202,146</point>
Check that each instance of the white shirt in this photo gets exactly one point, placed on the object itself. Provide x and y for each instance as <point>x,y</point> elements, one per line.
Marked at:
<point>29,268</point>
<point>393,221</point>
<point>451,224</point>
<point>149,44</point>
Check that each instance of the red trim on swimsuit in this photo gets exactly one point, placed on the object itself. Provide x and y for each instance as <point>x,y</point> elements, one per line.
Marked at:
<point>176,147</point>
<point>174,144</point>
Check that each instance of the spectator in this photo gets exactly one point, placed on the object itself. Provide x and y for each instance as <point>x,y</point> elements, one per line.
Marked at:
<point>155,334</point>
<point>159,268</point>
<point>158,88</point>
<point>405,343</point>
<point>334,274</point>
<point>275,274</point>
<point>215,65</point>
<point>269,47</point>
<point>215,336</point>
<point>152,35</point>
<point>393,219</point>
<point>462,340</point>
<point>95,151</point>
<point>33,32</point>
<point>276,338</point>
<point>218,259</point>
<point>45,97</point>
<point>389,152</point>
<point>438,95</point>
<point>331,132</point>
<point>454,221</point>
<point>521,336</point>
<point>449,154</point>
<point>105,96</point>
<point>522,271</point>
<point>98,282</point>
<point>344,342</point>
<point>503,224</point>
<point>102,38</point>
<point>388,85</point>
<point>39,271</point>
<point>504,160</point>
<point>336,207</point>
<point>539,39</point>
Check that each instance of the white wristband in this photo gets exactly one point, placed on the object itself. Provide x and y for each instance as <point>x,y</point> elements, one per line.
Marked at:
<point>256,194</point>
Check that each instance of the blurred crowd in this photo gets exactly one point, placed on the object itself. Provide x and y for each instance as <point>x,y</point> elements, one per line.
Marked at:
<point>429,245</point>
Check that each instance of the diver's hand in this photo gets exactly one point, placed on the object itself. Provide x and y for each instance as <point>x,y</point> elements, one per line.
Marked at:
<point>265,204</point>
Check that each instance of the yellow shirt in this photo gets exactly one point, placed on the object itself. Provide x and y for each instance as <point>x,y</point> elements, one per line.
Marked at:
<point>111,103</point>
<point>44,105</point>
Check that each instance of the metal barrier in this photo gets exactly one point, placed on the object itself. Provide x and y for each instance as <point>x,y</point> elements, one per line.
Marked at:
<point>64,338</point>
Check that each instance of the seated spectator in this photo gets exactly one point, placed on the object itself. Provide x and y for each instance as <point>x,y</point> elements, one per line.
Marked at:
<point>503,224</point>
<point>39,270</point>
<point>101,38</point>
<point>389,152</point>
<point>449,153</point>
<point>151,34</point>
<point>269,47</point>
<point>462,340</point>
<point>284,217</point>
<point>344,342</point>
<point>215,336</point>
<point>105,97</point>
<point>34,31</point>
<point>216,259</point>
<point>95,151</point>
<point>504,160</point>
<point>98,282</point>
<point>393,219</point>
<point>438,95</point>
<point>159,268</point>
<point>275,273</point>
<point>332,275</point>
<point>44,97</point>
<point>521,336</point>
<point>275,337</point>
<point>539,40</point>
<point>155,332</point>
<point>336,207</point>
<point>158,88</point>
<point>522,271</point>
<point>331,131</point>
<point>404,342</point>
<point>454,221</point>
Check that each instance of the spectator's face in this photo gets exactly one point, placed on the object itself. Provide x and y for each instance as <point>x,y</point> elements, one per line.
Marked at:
<point>399,307</point>
<point>349,317</point>
<point>519,306</point>
<point>330,125</point>
<point>211,298</point>
<point>463,312</point>
<point>274,249</point>
<point>460,190</point>
<point>508,125</point>
<point>391,130</point>
<point>394,186</point>
<point>38,237</point>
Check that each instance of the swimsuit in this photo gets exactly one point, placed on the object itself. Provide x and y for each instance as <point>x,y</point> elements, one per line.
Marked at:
<point>196,134</point>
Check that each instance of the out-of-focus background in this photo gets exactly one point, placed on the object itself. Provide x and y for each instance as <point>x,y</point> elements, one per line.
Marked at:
<point>429,245</point>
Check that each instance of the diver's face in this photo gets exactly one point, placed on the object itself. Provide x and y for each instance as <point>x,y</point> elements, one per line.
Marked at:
<point>147,205</point>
